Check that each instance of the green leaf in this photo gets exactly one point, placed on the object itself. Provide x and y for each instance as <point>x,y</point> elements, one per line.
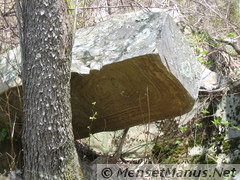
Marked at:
<point>203,61</point>
<point>214,122</point>
<point>205,111</point>
<point>225,123</point>
<point>183,128</point>
<point>231,35</point>
<point>92,118</point>
<point>217,121</point>
<point>204,52</point>
<point>200,59</point>
<point>178,142</point>
<point>198,124</point>
<point>199,49</point>
<point>236,127</point>
<point>215,44</point>
<point>94,103</point>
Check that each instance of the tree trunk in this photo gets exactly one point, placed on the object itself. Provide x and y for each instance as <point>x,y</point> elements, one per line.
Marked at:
<point>48,142</point>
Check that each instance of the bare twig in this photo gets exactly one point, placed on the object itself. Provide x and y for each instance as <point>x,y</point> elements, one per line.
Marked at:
<point>8,25</point>
<point>9,13</point>
<point>207,6</point>
<point>118,153</point>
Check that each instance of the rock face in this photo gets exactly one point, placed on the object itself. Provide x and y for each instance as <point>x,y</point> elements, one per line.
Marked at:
<point>10,70</point>
<point>132,69</point>
<point>228,109</point>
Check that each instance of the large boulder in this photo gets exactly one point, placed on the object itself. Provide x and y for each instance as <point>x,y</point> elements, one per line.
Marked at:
<point>131,69</point>
<point>138,68</point>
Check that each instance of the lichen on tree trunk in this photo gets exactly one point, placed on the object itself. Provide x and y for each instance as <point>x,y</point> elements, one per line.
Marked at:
<point>49,151</point>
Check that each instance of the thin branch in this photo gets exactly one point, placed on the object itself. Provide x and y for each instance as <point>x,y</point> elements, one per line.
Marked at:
<point>199,20</point>
<point>118,153</point>
<point>219,15</point>
<point>9,13</point>
<point>230,42</point>
<point>8,25</point>
<point>213,91</point>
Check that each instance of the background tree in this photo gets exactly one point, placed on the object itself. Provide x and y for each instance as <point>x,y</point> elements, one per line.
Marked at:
<point>49,150</point>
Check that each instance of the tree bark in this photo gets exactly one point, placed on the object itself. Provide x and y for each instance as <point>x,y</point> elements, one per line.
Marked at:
<point>48,142</point>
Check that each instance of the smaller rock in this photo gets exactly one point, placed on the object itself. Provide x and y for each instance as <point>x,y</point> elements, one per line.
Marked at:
<point>237,176</point>
<point>236,152</point>
<point>210,80</point>
<point>223,158</point>
<point>134,145</point>
<point>15,175</point>
<point>196,150</point>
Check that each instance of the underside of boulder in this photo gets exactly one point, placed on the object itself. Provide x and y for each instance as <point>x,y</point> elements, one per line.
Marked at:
<point>135,91</point>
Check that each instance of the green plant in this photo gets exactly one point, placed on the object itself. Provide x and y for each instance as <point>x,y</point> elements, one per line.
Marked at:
<point>205,111</point>
<point>236,127</point>
<point>215,44</point>
<point>198,124</point>
<point>177,142</point>
<point>71,5</point>
<point>92,118</point>
<point>203,61</point>
<point>217,121</point>
<point>183,128</point>
<point>232,35</point>
<point>201,51</point>
<point>226,123</point>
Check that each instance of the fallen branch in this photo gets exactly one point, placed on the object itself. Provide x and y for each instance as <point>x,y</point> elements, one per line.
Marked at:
<point>231,42</point>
